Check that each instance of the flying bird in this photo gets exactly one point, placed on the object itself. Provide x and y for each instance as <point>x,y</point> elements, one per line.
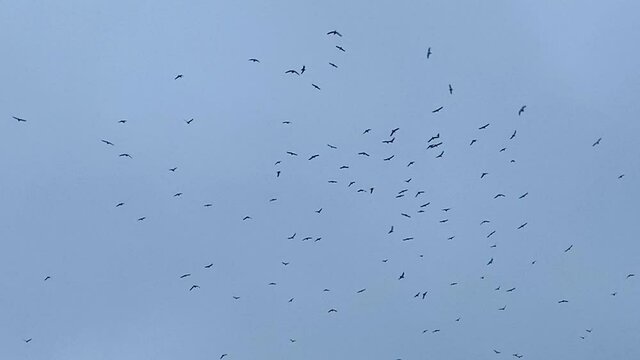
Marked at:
<point>184,276</point>
<point>316,86</point>
<point>125,155</point>
<point>499,195</point>
<point>513,135</point>
<point>332,310</point>
<point>340,48</point>
<point>522,110</point>
<point>597,142</point>
<point>438,109</point>
<point>189,121</point>
<point>361,291</point>
<point>27,340</point>
<point>521,226</point>
<point>254,60</point>
<point>119,204</point>
<point>440,155</point>
<point>246,218</point>
<point>107,142</point>
<point>208,266</point>
<point>450,90</point>
<point>314,156</point>
<point>334,65</point>
<point>194,287</point>
<point>523,195</point>
<point>401,276</point>
<point>483,127</point>
<point>142,218</point>
<point>490,262</point>
<point>122,121</point>
<point>630,275</point>
<point>388,158</point>
<point>483,175</point>
<point>331,146</point>
<point>569,248</point>
<point>429,52</point>
<point>473,141</point>
<point>178,77</point>
<point>292,153</point>
<point>19,119</point>
<point>334,32</point>
<point>47,278</point>
<point>292,72</point>
<point>173,169</point>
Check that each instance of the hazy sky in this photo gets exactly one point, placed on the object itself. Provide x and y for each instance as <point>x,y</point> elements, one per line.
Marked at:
<point>72,69</point>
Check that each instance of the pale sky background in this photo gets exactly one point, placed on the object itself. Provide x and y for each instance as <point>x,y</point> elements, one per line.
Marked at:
<point>74,68</point>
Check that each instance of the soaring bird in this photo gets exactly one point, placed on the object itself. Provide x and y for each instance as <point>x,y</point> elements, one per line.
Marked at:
<point>194,287</point>
<point>304,68</point>
<point>390,230</point>
<point>19,119</point>
<point>315,86</point>
<point>485,222</point>
<point>189,121</point>
<point>363,153</point>
<point>440,155</point>
<point>499,195</point>
<point>563,301</point>
<point>125,155</point>
<point>473,141</point>
<point>318,211</point>
<point>122,121</point>
<point>496,351</point>
<point>254,60</point>
<point>178,77</point>
<point>208,205</point>
<point>388,158</point>
<point>292,72</point>
<point>334,32</point>
<point>27,340</point>
<point>246,218</point>
<point>340,48</point>
<point>107,142</point>
<point>522,110</point>
<point>361,291</point>
<point>366,131</point>
<point>47,278</point>
<point>177,194</point>
<point>292,340</point>
<point>429,52</point>
<point>490,262</point>
<point>314,156</point>
<point>450,90</point>
<point>334,65</point>
<point>483,175</point>
<point>292,153</point>
<point>491,233</point>
<point>173,169</point>
<point>223,355</point>
<point>597,142</point>
<point>119,204</point>
<point>208,266</point>
<point>401,276</point>
<point>513,135</point>
<point>332,310</point>
<point>483,127</point>
<point>142,218</point>
<point>569,248</point>
<point>510,290</point>
<point>630,275</point>
<point>405,215</point>
<point>410,163</point>
<point>521,226</point>
<point>503,308</point>
<point>438,109</point>
<point>394,131</point>
<point>331,146</point>
<point>434,138</point>
<point>523,195</point>
<point>185,275</point>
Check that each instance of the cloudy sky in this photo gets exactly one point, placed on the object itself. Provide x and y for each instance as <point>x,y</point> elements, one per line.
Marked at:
<point>73,69</point>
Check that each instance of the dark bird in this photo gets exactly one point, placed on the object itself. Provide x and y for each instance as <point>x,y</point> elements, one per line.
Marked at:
<point>589,330</point>
<point>173,169</point>
<point>177,194</point>
<point>333,181</point>
<point>393,131</point>
<point>390,230</point>
<point>351,183</point>
<point>366,131</point>
<point>236,297</point>
<point>491,233</point>
<point>429,52</point>
<point>278,173</point>
<point>434,138</point>
<point>410,163</point>
<point>630,275</point>
<point>440,155</point>
<point>483,127</point>
<point>424,205</point>
<point>272,284</point>
<point>286,122</point>
<point>483,175</point>
<point>419,193</point>
<point>285,263</point>
<point>318,211</point>
<point>194,287</point>
<point>424,294</point>
<point>388,158</point>
<point>107,142</point>
<point>450,90</point>
<point>246,218</point>
<point>597,142</point>
<point>499,195</point>
<point>208,205</point>
<point>620,176</point>
<point>405,215</point>
<point>125,155</point>
<point>334,32</point>
<point>401,276</point>
<point>503,149</point>
<point>304,68</point>
<point>513,135</point>
<point>47,278</point>
<point>473,141</point>
<point>438,109</point>
<point>510,290</point>
<point>122,121</point>
<point>119,204</point>
<point>523,195</point>
<point>340,48</point>
<point>485,222</point>
<point>522,110</point>
<point>363,153</point>
<point>344,167</point>
<point>496,351</point>
<point>189,121</point>
<point>316,86</point>
<point>388,141</point>
<point>184,276</point>
<point>222,356</point>
<point>142,218</point>
<point>407,239</point>
<point>331,146</point>
<point>521,226</point>
<point>453,284</point>
<point>332,310</point>
<point>314,156</point>
<point>444,221</point>
<point>178,77</point>
<point>27,340</point>
<point>19,119</point>
<point>361,291</point>
<point>569,248</point>
<point>291,72</point>
<point>208,266</point>
<point>292,153</point>
<point>563,301</point>
<point>446,209</point>
<point>490,262</point>
<point>291,300</point>
<point>518,355</point>
<point>292,340</point>
<point>334,65</point>
<point>254,60</point>
<point>503,308</point>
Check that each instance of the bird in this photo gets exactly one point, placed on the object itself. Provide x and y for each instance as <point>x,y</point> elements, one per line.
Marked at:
<point>177,194</point>
<point>292,340</point>
<point>361,291</point>
<point>388,141</point>
<point>285,263</point>
<point>47,278</point>
<point>125,155</point>
<point>304,68</point>
<point>513,135</point>
<point>292,153</point>
<point>434,138</point>
<point>334,65</point>
<point>485,222</point>
<point>444,221</point>
<point>407,239</point>
<point>351,183</point>
<point>630,275</point>
<point>510,290</point>
<point>366,131</point>
<point>429,52</point>
<point>491,233</point>
<point>569,248</point>
<point>291,300</point>
<point>184,276</point>
<point>496,351</point>
<point>363,153</point>
<point>119,204</point>
<point>419,193</point>
<point>503,308</point>
<point>450,90</point>
<point>19,119</point>
<point>178,77</point>
<point>446,209</point>
<point>142,218</point>
<point>438,109</point>
<point>589,330</point>
<point>332,310</point>
<point>236,297</point>
<point>173,169</point>
<point>620,176</point>
<point>314,156</point>
<point>122,121</point>
<point>246,218</point>
<point>331,146</point>
<point>424,294</point>
<point>340,48</point>
<point>194,287</point>
<point>522,110</point>
<point>483,175</point>
<point>394,131</point>
<point>410,163</point>
<point>518,355</point>
<point>440,155</point>
<point>523,195</point>
<point>222,356</point>
<point>318,211</point>
<point>272,284</point>
<point>490,262</point>
<point>388,158</point>
<point>405,215</point>
<point>521,226</point>
<point>208,205</point>
<point>334,32</point>
<point>597,142</point>
<point>401,276</point>
<point>189,121</point>
<point>107,142</point>
<point>483,127</point>
<point>473,141</point>
<point>286,122</point>
<point>503,149</point>
<point>344,167</point>
<point>254,60</point>
<point>390,230</point>
<point>316,86</point>
<point>563,301</point>
<point>208,266</point>
<point>27,340</point>
<point>453,284</point>
<point>292,72</point>
<point>499,195</point>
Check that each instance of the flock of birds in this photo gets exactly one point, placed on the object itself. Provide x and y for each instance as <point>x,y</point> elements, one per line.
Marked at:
<point>434,145</point>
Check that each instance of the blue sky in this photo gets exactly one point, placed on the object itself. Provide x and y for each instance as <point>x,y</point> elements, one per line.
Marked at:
<point>73,69</point>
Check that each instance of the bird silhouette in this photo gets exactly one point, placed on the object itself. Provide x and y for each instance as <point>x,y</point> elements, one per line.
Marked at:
<point>194,287</point>
<point>254,60</point>
<point>208,266</point>
<point>178,77</point>
<point>563,301</point>
<point>184,276</point>
<point>450,90</point>
<point>340,48</point>
<point>334,32</point>
<point>314,156</point>
<point>522,110</point>
<point>523,195</point>
<point>119,204</point>
<point>316,86</point>
<point>19,119</point>
<point>334,65</point>
<point>401,276</point>
<point>569,248</point>
<point>47,278</point>
<point>27,340</point>
<point>429,53</point>
<point>292,72</point>
<point>438,109</point>
<point>597,142</point>
<point>440,155</point>
<point>107,142</point>
<point>513,135</point>
<point>125,155</point>
<point>189,121</point>
<point>521,226</point>
<point>483,175</point>
<point>483,127</point>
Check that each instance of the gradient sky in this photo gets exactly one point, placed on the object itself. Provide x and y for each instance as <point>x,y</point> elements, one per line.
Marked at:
<point>74,68</point>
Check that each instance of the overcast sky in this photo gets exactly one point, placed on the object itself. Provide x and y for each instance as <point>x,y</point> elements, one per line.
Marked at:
<point>73,69</point>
